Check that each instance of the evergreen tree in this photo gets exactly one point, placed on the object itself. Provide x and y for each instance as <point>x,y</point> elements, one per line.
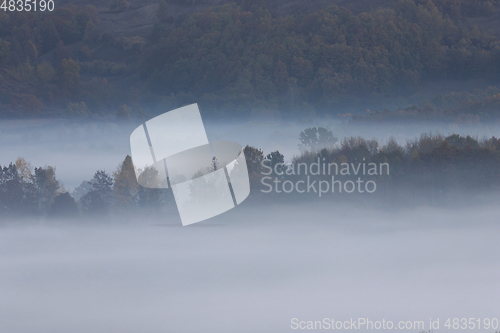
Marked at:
<point>125,185</point>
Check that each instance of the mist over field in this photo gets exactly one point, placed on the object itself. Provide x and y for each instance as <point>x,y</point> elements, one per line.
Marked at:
<point>79,149</point>
<point>252,269</point>
<point>91,240</point>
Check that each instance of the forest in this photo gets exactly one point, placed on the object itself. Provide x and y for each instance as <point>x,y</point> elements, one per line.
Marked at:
<point>431,169</point>
<point>240,56</point>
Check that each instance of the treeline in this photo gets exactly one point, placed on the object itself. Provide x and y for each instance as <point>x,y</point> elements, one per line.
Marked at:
<point>35,192</point>
<point>236,57</point>
<point>429,170</point>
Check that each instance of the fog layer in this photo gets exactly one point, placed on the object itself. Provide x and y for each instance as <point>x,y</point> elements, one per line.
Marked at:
<point>252,269</point>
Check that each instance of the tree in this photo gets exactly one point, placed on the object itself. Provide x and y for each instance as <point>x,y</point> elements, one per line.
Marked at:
<point>276,158</point>
<point>64,206</point>
<point>148,197</point>
<point>45,72</point>
<point>149,178</point>
<point>102,183</point>
<point>77,109</point>
<point>32,104</point>
<point>84,188</point>
<point>118,5</point>
<point>392,146</point>
<point>46,185</point>
<point>162,13</point>
<point>125,185</point>
<point>254,159</point>
<point>98,200</point>
<point>69,74</point>
<point>91,32</point>
<point>315,138</point>
<point>23,169</point>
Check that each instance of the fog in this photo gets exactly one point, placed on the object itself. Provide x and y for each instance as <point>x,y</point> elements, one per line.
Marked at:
<point>79,150</point>
<point>251,269</point>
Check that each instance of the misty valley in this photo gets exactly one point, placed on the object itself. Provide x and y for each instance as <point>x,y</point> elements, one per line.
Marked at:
<point>233,166</point>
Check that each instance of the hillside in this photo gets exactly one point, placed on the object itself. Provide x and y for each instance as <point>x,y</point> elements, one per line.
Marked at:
<point>87,59</point>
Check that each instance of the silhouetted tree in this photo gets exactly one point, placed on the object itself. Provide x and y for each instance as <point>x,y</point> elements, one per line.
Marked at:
<point>17,194</point>
<point>315,138</point>
<point>46,185</point>
<point>11,190</point>
<point>125,185</point>
<point>99,199</point>
<point>273,159</point>
<point>64,206</point>
<point>149,197</point>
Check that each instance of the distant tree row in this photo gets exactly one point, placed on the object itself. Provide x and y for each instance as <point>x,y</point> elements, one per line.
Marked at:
<point>36,192</point>
<point>431,169</point>
<point>25,190</point>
